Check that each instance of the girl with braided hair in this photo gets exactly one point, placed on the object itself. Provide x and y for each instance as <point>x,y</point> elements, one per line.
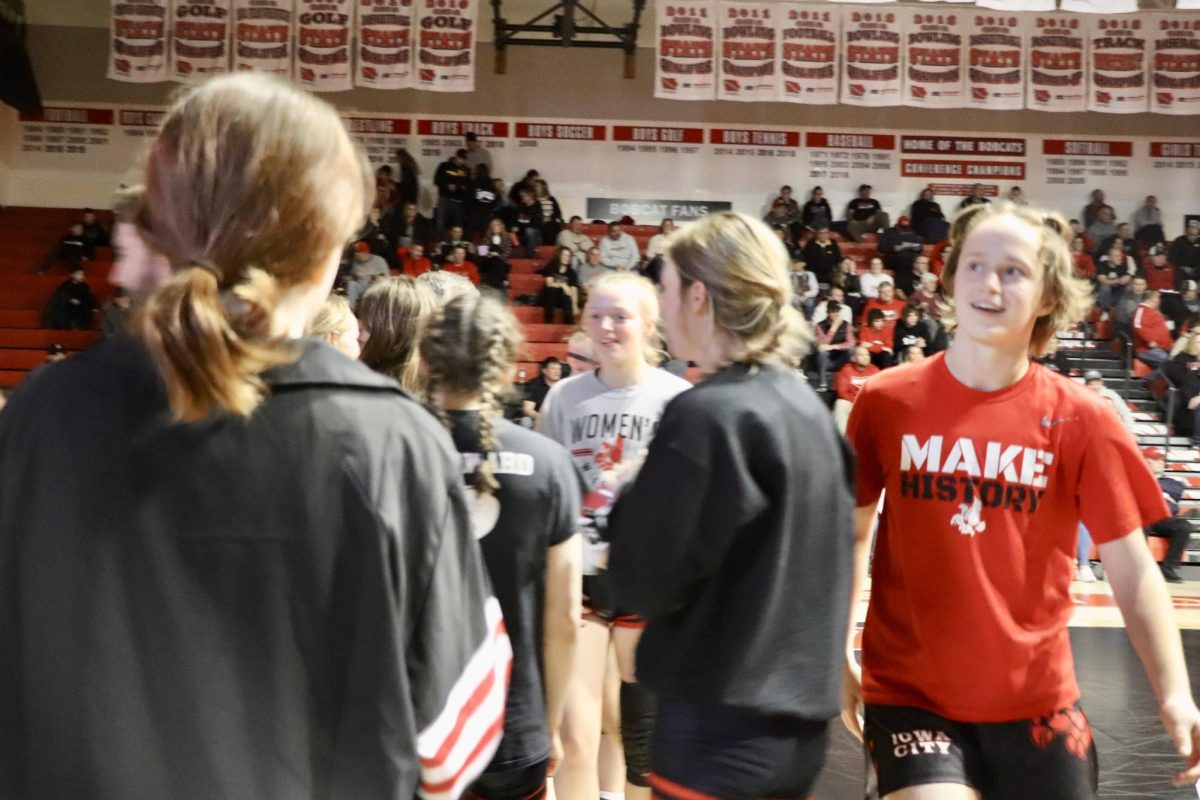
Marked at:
<point>734,541</point>
<point>524,494</point>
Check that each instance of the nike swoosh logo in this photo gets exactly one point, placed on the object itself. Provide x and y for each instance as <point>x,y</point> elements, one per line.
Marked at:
<point>1050,423</point>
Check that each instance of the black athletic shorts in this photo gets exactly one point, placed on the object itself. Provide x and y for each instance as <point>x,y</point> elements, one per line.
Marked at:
<point>1048,758</point>
<point>704,751</point>
<point>522,783</point>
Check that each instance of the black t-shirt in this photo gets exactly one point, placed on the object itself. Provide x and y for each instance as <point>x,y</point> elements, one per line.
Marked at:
<point>538,507</point>
<point>536,390</point>
<point>862,208</point>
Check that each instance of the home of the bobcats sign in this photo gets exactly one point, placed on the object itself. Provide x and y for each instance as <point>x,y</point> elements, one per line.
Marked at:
<point>975,476</point>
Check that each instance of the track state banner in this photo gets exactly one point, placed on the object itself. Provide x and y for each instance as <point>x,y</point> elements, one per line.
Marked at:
<point>385,51</point>
<point>262,36</point>
<point>1057,63</point>
<point>1175,56</point>
<point>446,45</point>
<point>749,66</point>
<point>323,45</point>
<point>137,50</point>
<point>685,38</point>
<point>871,56</point>
<point>808,59</point>
<point>1118,64</point>
<point>996,57</point>
<point>933,56</point>
<point>200,38</point>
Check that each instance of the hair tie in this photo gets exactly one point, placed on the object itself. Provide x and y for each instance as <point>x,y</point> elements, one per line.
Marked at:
<point>207,266</point>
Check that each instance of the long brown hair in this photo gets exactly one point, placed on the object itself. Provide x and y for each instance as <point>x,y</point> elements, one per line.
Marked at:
<point>250,187</point>
<point>393,313</point>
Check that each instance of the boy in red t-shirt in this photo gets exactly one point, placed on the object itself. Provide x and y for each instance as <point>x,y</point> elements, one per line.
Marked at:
<point>887,303</point>
<point>877,337</point>
<point>989,462</point>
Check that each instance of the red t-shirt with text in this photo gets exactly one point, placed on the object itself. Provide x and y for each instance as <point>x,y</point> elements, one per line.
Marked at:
<point>970,590</point>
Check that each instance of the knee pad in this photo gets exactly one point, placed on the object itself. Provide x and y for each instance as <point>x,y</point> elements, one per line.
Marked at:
<point>638,710</point>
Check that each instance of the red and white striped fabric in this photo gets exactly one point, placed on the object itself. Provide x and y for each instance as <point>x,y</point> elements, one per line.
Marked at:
<point>460,742</point>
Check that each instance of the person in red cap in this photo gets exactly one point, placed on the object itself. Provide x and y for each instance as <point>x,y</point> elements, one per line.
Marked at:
<point>365,269</point>
<point>1174,527</point>
<point>900,246</point>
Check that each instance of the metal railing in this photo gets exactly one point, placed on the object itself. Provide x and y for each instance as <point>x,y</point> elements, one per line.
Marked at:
<point>1126,359</point>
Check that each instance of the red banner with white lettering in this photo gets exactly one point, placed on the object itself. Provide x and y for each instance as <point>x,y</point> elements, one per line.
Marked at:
<point>685,41</point>
<point>263,36</point>
<point>138,49</point>
<point>749,67</point>
<point>1118,76</point>
<point>871,57</point>
<point>1175,56</point>
<point>446,45</point>
<point>995,77</point>
<point>808,60</point>
<point>385,44</point>
<point>1057,63</point>
<point>200,38</point>
<point>323,45</point>
<point>933,58</point>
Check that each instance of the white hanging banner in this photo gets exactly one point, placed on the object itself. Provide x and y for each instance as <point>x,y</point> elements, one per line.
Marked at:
<point>385,37</point>
<point>1176,58</point>
<point>870,57</point>
<point>749,67</point>
<point>685,41</point>
<point>200,33</point>
<point>933,57</point>
<point>1017,5</point>
<point>1183,5</point>
<point>995,61</point>
<point>323,45</point>
<point>446,45</point>
<point>1057,63</point>
<point>808,59</point>
<point>1100,6</point>
<point>263,36</point>
<point>1118,74</point>
<point>137,51</point>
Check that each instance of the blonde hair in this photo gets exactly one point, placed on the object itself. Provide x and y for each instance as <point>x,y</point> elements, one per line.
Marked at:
<point>1184,343</point>
<point>470,348</point>
<point>250,186</point>
<point>744,266</point>
<point>332,320</point>
<point>393,313</point>
<point>646,298</point>
<point>1072,296</point>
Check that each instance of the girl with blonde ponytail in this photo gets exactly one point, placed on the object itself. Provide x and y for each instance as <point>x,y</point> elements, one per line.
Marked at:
<point>258,577</point>
<point>734,540</point>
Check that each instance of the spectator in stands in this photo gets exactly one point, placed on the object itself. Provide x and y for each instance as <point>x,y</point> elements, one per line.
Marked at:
<point>1128,304</point>
<point>900,246</point>
<point>550,372</point>
<point>1081,259</point>
<point>117,315</point>
<point>846,278</point>
<point>336,325</point>
<point>376,239</point>
<point>1115,272</point>
<point>777,219</point>
<point>912,354</point>
<point>837,296</point>
<point>656,248</point>
<point>1091,212</point>
<point>455,237</point>
<point>816,213</point>
<point>877,339</point>
<point>975,198</point>
<point>574,239</point>
<point>873,278</point>
<point>1160,275</point>
<point>805,288</point>
<point>525,220</point>
<point>1017,196</point>
<point>1184,254</point>
<point>552,216</point>
<point>561,291</point>
<point>365,270</point>
<point>785,211</point>
<point>1185,306</point>
<point>526,182</point>
<point>887,302</point>
<point>413,262</point>
<point>1183,371</point>
<point>94,234</point>
<point>1147,222</point>
<point>927,218</point>
<point>1122,238</point>
<point>477,154</point>
<point>920,268</point>
<point>1174,528</point>
<point>72,249</point>
<point>72,305</point>
<point>849,383</point>
<point>914,329</point>
<point>927,297</point>
<point>1152,340</point>
<point>1095,381</point>
<point>835,342</point>
<point>390,316</point>
<point>821,255</point>
<point>591,268</point>
<point>785,237</point>
<point>409,227</point>
<point>1080,232</point>
<point>483,204</point>
<point>452,179</point>
<point>864,215</point>
<point>618,250</point>
<point>1102,227</point>
<point>387,192</point>
<point>495,251</point>
<point>409,179</point>
<point>459,265</point>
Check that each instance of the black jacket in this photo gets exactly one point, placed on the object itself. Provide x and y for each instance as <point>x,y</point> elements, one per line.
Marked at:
<point>735,543</point>
<point>821,260</point>
<point>271,608</point>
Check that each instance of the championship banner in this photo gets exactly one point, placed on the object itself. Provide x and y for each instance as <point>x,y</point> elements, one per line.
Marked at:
<point>933,50</point>
<point>685,40</point>
<point>200,38</point>
<point>323,45</point>
<point>263,36</point>
<point>138,52</point>
<point>995,61</point>
<point>1175,55</point>
<point>749,68</point>
<point>808,62</point>
<point>871,57</point>
<point>446,45</point>
<point>1118,77</point>
<point>1057,60</point>
<point>385,52</point>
